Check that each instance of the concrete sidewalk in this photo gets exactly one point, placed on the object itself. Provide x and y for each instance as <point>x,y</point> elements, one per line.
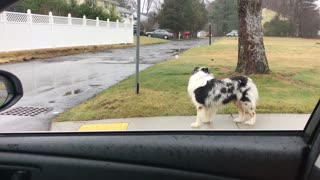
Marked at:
<point>220,122</point>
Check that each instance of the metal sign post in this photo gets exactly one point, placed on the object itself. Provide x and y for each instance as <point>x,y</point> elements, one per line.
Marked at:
<point>210,34</point>
<point>138,45</point>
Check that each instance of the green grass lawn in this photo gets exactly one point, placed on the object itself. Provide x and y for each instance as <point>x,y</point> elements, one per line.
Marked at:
<point>292,86</point>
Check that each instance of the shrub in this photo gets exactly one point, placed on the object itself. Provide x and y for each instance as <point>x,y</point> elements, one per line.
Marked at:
<point>63,7</point>
<point>278,27</point>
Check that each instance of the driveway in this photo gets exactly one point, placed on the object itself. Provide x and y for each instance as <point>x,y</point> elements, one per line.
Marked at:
<point>63,82</point>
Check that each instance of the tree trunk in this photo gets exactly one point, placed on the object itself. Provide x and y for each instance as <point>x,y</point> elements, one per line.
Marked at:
<point>251,54</point>
<point>300,11</point>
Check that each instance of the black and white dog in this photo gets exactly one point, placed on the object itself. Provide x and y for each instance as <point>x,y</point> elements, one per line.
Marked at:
<point>208,94</point>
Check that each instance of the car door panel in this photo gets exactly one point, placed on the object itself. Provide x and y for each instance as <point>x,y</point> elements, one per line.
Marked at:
<point>157,34</point>
<point>59,167</point>
<point>315,173</point>
<point>189,155</point>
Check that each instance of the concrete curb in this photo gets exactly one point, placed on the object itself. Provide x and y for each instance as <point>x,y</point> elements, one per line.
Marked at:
<point>220,122</point>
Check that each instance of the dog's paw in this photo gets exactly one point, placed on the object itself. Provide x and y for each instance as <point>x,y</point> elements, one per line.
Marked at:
<point>250,123</point>
<point>237,120</point>
<point>206,121</point>
<point>195,125</point>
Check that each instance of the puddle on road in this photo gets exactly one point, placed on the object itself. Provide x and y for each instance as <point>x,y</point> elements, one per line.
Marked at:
<point>95,85</point>
<point>115,62</point>
<point>45,90</point>
<point>77,91</point>
<point>177,50</point>
<point>51,101</point>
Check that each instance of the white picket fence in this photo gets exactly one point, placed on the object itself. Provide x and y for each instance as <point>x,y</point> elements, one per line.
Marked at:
<point>25,31</point>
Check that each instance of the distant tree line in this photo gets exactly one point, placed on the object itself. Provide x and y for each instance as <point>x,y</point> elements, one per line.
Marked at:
<point>183,15</point>
<point>295,18</point>
<point>279,27</point>
<point>302,18</point>
<point>63,7</point>
<point>223,15</point>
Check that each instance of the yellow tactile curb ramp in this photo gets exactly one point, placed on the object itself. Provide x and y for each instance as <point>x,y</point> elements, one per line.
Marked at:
<point>104,127</point>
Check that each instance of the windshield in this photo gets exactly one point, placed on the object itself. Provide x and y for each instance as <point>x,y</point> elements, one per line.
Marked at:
<point>194,65</point>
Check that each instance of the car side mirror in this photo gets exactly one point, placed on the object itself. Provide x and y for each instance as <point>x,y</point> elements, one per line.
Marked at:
<point>11,90</point>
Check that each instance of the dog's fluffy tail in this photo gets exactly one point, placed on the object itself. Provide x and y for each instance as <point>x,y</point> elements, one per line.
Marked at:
<point>253,94</point>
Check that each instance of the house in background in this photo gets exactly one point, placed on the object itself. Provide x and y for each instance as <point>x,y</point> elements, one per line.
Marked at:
<point>93,2</point>
<point>202,33</point>
<point>143,17</point>
<point>124,12</point>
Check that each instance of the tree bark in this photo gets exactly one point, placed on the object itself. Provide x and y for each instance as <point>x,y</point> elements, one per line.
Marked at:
<point>251,53</point>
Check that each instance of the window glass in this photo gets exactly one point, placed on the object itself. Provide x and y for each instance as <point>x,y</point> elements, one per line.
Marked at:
<point>211,66</point>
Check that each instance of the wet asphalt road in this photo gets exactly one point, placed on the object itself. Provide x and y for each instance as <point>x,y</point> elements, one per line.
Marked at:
<point>63,82</point>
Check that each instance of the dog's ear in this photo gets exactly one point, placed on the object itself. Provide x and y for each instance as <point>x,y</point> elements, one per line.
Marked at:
<point>206,70</point>
<point>195,69</point>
